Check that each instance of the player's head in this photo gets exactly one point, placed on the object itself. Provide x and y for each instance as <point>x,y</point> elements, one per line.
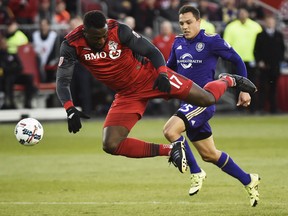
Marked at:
<point>189,21</point>
<point>95,29</point>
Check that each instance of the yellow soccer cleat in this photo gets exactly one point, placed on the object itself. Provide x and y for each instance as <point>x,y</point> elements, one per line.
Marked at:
<point>196,182</point>
<point>252,189</point>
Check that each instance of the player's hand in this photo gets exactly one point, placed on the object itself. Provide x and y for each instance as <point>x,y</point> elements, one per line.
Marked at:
<point>162,83</point>
<point>244,99</point>
<point>74,122</point>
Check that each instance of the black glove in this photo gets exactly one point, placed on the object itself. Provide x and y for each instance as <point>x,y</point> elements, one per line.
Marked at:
<point>162,83</point>
<point>74,122</point>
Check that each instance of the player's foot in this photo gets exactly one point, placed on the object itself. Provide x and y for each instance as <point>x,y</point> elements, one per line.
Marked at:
<point>252,189</point>
<point>196,182</point>
<point>178,157</point>
<point>241,83</point>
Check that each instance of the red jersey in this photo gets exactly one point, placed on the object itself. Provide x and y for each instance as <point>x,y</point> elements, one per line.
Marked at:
<point>115,65</point>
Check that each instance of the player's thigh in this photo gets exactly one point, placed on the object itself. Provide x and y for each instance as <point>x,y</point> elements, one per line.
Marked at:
<point>116,128</point>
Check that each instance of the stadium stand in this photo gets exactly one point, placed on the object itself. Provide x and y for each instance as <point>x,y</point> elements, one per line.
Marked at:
<point>28,58</point>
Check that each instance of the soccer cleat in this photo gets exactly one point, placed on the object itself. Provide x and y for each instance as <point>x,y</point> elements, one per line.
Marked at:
<point>252,189</point>
<point>178,157</point>
<point>240,82</point>
<point>196,182</point>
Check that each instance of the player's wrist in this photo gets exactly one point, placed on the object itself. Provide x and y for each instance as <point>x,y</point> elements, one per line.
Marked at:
<point>68,104</point>
<point>162,69</point>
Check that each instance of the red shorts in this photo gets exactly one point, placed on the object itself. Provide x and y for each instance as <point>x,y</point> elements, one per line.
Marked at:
<point>135,102</point>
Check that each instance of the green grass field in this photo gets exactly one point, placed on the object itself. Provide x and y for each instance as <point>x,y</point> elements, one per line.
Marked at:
<point>69,174</point>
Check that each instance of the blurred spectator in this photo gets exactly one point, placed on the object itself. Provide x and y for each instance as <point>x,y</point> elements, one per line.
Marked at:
<point>209,9</point>
<point>194,3</point>
<point>171,12</point>
<point>71,7</point>
<point>119,9</point>
<point>165,39</point>
<point>24,11</point>
<point>150,12</point>
<point>284,10</point>
<point>11,66</point>
<point>130,21</point>
<point>227,12</point>
<point>15,37</point>
<point>44,11</point>
<point>46,44</point>
<point>75,22</point>
<point>269,52</point>
<point>255,11</point>
<point>206,24</point>
<point>6,14</point>
<point>61,16</point>
<point>241,35</point>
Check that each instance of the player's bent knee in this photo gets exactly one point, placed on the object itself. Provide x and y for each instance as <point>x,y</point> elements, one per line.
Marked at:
<point>167,133</point>
<point>110,146</point>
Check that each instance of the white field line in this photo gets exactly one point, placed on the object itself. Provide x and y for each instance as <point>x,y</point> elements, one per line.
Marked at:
<point>131,203</point>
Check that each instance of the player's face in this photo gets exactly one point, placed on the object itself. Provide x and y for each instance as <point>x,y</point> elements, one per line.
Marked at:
<point>190,27</point>
<point>96,38</point>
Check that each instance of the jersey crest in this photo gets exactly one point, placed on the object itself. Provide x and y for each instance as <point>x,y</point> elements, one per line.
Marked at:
<point>199,46</point>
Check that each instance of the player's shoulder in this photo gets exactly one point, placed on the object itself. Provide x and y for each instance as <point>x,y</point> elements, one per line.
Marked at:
<point>75,34</point>
<point>179,37</point>
<point>112,23</point>
<point>210,37</point>
<point>206,34</point>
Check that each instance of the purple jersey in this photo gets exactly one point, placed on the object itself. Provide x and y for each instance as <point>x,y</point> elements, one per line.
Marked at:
<point>197,58</point>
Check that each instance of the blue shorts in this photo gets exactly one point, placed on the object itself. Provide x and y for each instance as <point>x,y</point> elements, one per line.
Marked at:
<point>196,120</point>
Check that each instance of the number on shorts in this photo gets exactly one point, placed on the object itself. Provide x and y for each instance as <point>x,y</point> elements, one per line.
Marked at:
<point>186,107</point>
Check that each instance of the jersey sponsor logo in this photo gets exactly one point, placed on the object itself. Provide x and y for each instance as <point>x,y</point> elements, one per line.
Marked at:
<point>114,52</point>
<point>199,46</point>
<point>179,47</point>
<point>187,61</point>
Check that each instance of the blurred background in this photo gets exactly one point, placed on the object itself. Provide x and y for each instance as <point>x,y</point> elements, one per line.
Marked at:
<point>31,32</point>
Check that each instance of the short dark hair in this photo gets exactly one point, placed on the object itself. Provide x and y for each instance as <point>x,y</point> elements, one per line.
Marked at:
<point>189,8</point>
<point>94,19</point>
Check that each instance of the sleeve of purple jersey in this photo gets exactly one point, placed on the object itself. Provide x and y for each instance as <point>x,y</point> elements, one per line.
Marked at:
<point>223,49</point>
<point>172,60</point>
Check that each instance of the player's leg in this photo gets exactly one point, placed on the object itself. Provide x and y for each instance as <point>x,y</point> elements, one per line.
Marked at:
<point>116,142</point>
<point>209,153</point>
<point>211,92</point>
<point>197,128</point>
<point>173,130</point>
<point>190,92</point>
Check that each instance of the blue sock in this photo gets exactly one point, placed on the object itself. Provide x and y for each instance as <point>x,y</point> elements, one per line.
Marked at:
<point>192,163</point>
<point>231,168</point>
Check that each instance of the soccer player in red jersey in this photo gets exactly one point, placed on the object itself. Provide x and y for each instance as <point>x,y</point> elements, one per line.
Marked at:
<point>136,70</point>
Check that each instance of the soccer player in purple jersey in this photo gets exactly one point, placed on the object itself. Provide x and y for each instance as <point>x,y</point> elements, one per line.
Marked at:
<point>194,54</point>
